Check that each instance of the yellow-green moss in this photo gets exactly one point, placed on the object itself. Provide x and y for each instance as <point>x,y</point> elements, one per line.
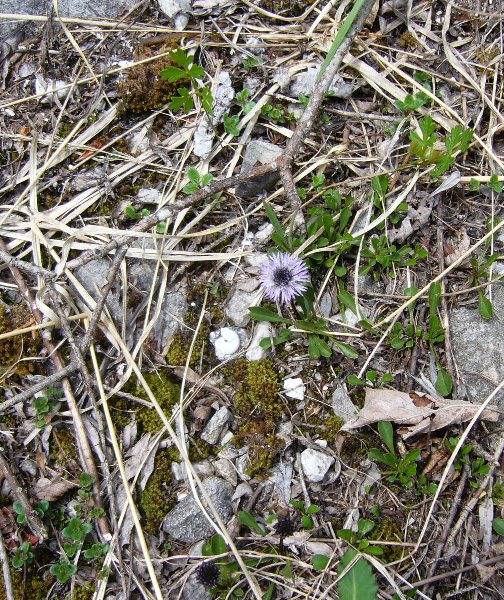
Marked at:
<point>286,7</point>
<point>166,392</point>
<point>18,347</point>
<point>263,445</point>
<point>143,89</point>
<point>81,593</point>
<point>258,384</point>
<point>181,344</point>
<point>63,448</point>
<point>35,585</point>
<point>390,530</point>
<point>157,498</point>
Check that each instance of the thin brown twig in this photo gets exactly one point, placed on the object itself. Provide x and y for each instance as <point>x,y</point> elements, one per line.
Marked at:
<point>34,521</point>
<point>9,590</point>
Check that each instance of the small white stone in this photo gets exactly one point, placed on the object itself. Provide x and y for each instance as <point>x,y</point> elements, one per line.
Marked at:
<point>294,388</point>
<point>226,342</point>
<point>315,464</point>
<point>262,331</point>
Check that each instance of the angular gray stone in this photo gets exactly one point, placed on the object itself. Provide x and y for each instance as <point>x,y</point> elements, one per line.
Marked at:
<point>238,304</point>
<point>93,276</point>
<point>214,427</point>
<point>258,152</point>
<point>14,31</point>
<point>194,590</point>
<point>342,405</point>
<point>478,347</point>
<point>171,316</point>
<point>188,524</point>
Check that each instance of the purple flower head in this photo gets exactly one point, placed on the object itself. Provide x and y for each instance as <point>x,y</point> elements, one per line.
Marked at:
<point>208,573</point>
<point>284,277</point>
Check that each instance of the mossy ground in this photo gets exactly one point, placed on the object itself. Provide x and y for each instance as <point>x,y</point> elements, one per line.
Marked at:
<point>166,392</point>
<point>143,89</point>
<point>18,353</point>
<point>158,498</point>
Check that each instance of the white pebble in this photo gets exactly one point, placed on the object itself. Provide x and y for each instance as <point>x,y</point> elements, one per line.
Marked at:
<point>226,342</point>
<point>294,388</point>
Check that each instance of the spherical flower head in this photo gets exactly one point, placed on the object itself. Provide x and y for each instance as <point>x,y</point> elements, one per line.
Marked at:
<point>208,573</point>
<point>284,277</point>
<point>284,526</point>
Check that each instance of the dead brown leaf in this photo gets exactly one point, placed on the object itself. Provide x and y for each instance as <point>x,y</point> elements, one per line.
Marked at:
<point>52,489</point>
<point>418,410</point>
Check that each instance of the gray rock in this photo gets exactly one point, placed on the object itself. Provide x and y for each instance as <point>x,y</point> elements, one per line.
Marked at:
<point>188,524</point>
<point>194,590</point>
<point>226,470</point>
<point>315,464</point>
<point>213,429</point>
<point>238,304</point>
<point>342,405</point>
<point>14,31</point>
<point>478,347</point>
<point>304,84</point>
<point>93,276</point>
<point>258,152</point>
<point>172,313</point>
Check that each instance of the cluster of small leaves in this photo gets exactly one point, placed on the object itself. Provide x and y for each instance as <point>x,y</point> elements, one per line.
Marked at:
<point>196,181</point>
<point>412,102</point>
<point>185,70</point>
<point>422,145</point>
<point>231,121</point>
<point>276,113</point>
<point>314,329</point>
<point>131,212</point>
<point>479,468</point>
<point>359,539</point>
<point>47,405</point>
<point>306,512</point>
<point>371,379</point>
<point>401,469</point>
<point>23,555</point>
<point>380,256</point>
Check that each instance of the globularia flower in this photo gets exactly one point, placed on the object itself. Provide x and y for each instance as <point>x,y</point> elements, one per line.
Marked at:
<point>284,277</point>
<point>284,526</point>
<point>208,573</point>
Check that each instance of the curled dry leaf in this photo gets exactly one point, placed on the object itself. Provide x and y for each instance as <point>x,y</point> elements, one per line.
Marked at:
<point>52,489</point>
<point>457,248</point>
<point>416,409</point>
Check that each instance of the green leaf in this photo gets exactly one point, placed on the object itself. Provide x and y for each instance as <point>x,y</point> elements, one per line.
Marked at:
<point>248,520</point>
<point>298,504</point>
<point>63,571</point>
<point>359,583</point>
<point>277,226</point>
<point>319,561</point>
<point>348,301</point>
<point>365,526</point>
<point>263,314</point>
<point>218,543</point>
<point>306,522</point>
<point>317,347</point>
<point>354,380</point>
<point>347,350</point>
<point>269,593</point>
<point>386,432</point>
<point>183,100</point>
<point>444,383</point>
<point>485,306</point>
<point>190,188</point>
<point>76,529</point>
<point>194,176</point>
<point>287,571</point>
<point>313,509</point>
<point>130,212</point>
<point>196,71</point>
<point>434,297</point>
<point>181,58</point>
<point>387,459</point>
<point>498,526</point>
<point>207,100</point>
<point>173,74</point>
<point>231,124</point>
<point>345,534</point>
<point>206,179</point>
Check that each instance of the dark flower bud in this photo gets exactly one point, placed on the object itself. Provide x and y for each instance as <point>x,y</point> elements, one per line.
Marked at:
<point>284,526</point>
<point>208,573</point>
